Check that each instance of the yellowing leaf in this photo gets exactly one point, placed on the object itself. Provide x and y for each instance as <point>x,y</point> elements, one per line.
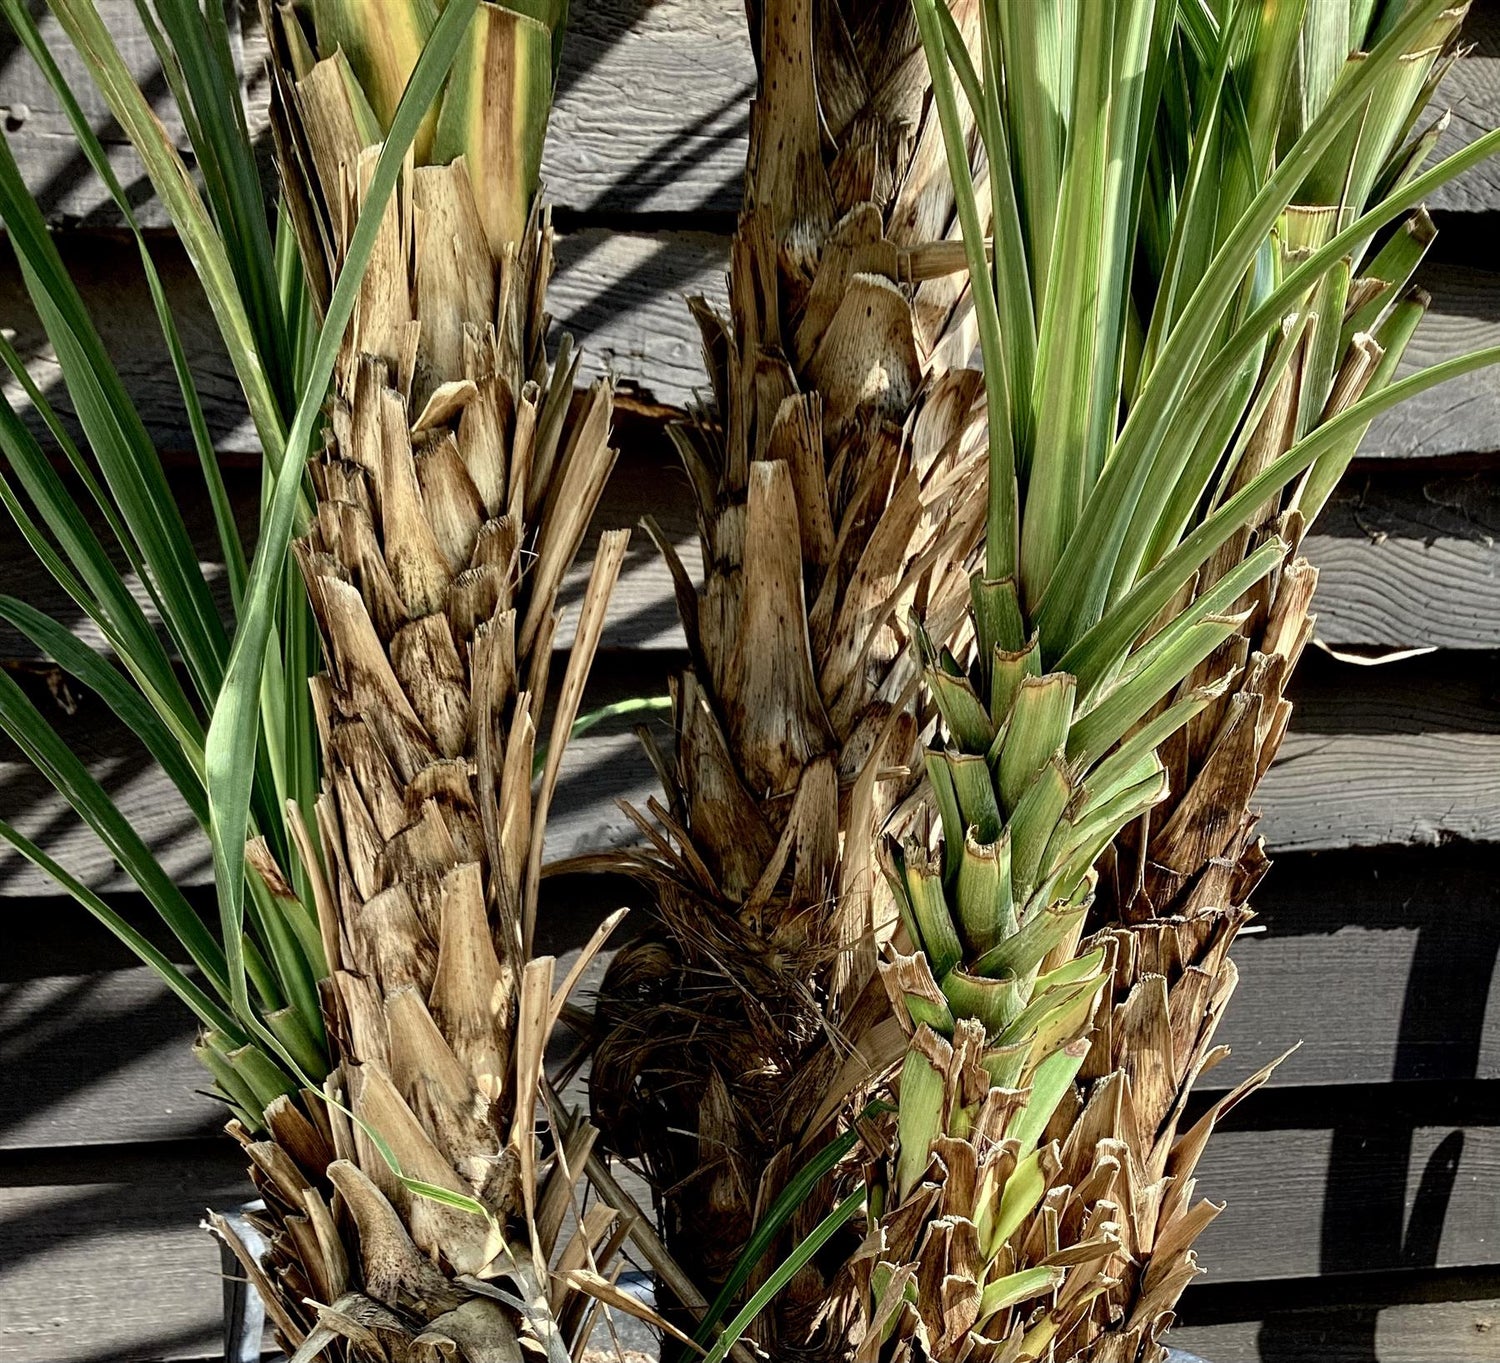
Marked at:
<point>495,116</point>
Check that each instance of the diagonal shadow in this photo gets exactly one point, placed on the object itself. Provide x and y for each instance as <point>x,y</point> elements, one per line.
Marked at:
<point>116,762</point>
<point>631,191</point>
<point>116,1193</point>
<point>1367,1225</point>
<point>54,1051</point>
<point>663,271</point>
<point>52,191</point>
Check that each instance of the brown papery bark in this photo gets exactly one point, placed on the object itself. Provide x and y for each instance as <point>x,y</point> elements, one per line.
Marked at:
<point>839,482</point>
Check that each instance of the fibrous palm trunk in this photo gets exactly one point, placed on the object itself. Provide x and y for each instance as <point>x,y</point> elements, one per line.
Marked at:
<point>838,481</point>
<point>458,477</point>
<point>1090,845</point>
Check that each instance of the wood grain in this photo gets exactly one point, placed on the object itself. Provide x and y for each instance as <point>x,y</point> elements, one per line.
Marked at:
<point>621,294</point>
<point>1407,561</point>
<point>41,138</point>
<point>1406,754</point>
<point>1471,91</point>
<point>1463,415</point>
<point>652,111</point>
<point>1408,1332</point>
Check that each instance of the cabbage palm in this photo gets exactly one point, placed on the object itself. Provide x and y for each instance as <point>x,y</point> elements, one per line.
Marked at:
<point>372,1006</point>
<point>1191,308</point>
<point>838,479</point>
<point>453,492</point>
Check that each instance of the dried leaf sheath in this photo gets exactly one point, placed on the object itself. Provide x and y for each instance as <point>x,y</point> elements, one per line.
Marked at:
<point>458,479</point>
<point>1034,1195</point>
<point>839,482</point>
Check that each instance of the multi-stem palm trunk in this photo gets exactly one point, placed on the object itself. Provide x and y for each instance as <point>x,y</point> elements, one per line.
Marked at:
<point>838,482</point>
<point>1089,846</point>
<point>415,1208</point>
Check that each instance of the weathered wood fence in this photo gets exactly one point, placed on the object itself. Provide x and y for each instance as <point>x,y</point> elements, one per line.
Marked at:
<point>1364,1183</point>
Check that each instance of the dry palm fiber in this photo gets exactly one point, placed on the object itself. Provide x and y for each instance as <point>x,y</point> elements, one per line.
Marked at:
<point>1089,847</point>
<point>459,474</point>
<point>839,482</point>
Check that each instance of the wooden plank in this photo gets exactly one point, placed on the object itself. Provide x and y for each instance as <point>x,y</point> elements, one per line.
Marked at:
<point>96,1051</point>
<point>1404,754</point>
<point>103,1256</point>
<point>621,295</point>
<point>1462,416</point>
<point>99,1058</point>
<point>1349,1198</point>
<point>103,1259</point>
<point>107,272</point>
<point>1406,561</point>
<point>1406,1332</point>
<point>42,140</point>
<point>1380,965</point>
<point>653,108</point>
<point>651,112</point>
<point>1471,91</point>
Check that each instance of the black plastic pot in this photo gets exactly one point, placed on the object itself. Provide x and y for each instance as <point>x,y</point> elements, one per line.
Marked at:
<point>244,1312</point>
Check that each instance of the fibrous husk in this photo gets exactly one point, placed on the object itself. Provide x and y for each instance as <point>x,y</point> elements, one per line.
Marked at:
<point>1064,957</point>
<point>456,482</point>
<point>839,482</point>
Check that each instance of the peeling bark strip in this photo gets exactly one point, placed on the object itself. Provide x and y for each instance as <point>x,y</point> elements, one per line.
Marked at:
<point>454,491</point>
<point>838,481</point>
